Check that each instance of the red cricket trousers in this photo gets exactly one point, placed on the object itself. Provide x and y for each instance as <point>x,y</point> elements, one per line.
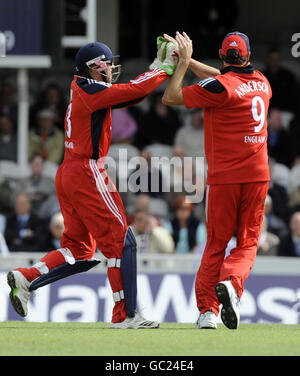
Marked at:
<point>229,208</point>
<point>94,215</point>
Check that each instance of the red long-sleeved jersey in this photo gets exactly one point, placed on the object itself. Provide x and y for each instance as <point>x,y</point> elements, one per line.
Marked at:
<point>88,118</point>
<point>235,106</point>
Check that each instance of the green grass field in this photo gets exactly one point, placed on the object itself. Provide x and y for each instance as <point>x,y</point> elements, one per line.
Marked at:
<point>19,338</point>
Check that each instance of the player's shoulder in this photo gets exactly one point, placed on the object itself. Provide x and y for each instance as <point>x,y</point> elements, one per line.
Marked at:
<point>260,75</point>
<point>91,86</point>
<point>212,85</point>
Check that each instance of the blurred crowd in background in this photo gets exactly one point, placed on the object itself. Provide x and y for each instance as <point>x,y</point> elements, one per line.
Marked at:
<point>163,222</point>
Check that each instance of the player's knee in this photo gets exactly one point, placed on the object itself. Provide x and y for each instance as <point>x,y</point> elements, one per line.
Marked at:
<point>127,243</point>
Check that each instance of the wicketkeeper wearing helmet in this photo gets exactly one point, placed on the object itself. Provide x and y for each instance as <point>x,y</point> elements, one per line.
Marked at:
<point>93,211</point>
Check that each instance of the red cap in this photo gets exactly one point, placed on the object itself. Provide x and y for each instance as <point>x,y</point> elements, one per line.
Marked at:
<point>236,41</point>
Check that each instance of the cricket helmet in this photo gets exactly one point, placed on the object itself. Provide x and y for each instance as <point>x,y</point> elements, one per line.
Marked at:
<point>96,55</point>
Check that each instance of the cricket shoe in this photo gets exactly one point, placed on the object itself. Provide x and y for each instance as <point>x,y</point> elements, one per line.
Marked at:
<point>136,322</point>
<point>19,294</point>
<point>207,320</point>
<point>228,297</point>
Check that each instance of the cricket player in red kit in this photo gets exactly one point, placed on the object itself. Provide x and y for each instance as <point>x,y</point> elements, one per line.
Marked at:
<point>91,206</point>
<point>235,102</point>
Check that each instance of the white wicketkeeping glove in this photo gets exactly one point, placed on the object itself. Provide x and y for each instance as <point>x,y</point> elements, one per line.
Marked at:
<point>167,56</point>
<point>161,45</point>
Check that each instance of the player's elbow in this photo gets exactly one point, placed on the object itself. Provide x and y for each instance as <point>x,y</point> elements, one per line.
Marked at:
<point>165,100</point>
<point>171,100</point>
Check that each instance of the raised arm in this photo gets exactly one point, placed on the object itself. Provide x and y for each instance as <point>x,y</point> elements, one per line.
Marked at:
<point>202,70</point>
<point>98,95</point>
